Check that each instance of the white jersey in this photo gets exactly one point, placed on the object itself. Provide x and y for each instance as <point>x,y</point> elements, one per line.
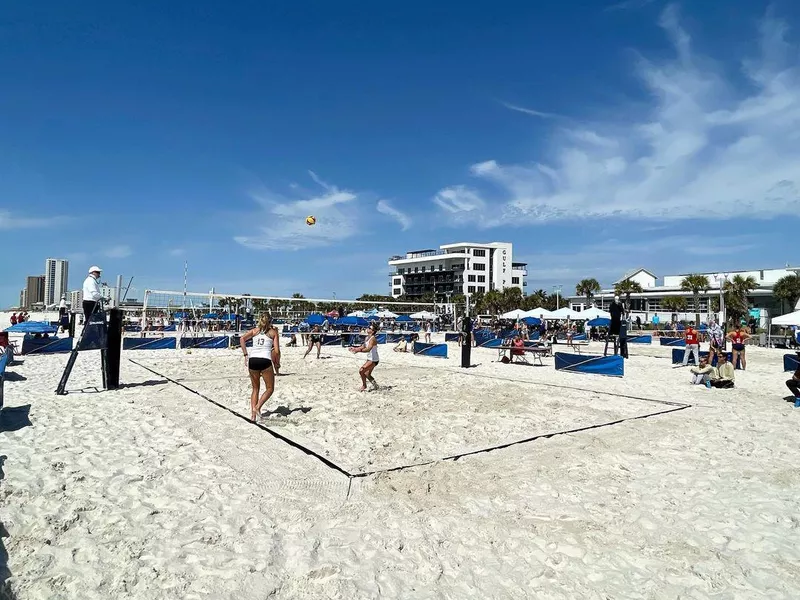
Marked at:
<point>372,354</point>
<point>262,346</point>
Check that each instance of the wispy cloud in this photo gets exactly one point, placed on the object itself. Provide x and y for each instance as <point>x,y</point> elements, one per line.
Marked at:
<point>10,221</point>
<point>387,209</point>
<point>284,219</point>
<point>530,111</point>
<point>707,147</point>
<point>119,251</point>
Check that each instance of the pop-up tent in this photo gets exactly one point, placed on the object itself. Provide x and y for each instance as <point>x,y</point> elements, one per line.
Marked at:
<point>567,313</point>
<point>538,313</point>
<point>423,315</point>
<point>594,313</point>
<point>785,320</point>
<point>350,321</point>
<point>531,321</point>
<point>515,314</point>
<point>386,314</point>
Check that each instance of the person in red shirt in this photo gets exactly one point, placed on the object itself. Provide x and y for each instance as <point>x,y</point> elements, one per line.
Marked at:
<point>14,319</point>
<point>692,346</point>
<point>738,338</point>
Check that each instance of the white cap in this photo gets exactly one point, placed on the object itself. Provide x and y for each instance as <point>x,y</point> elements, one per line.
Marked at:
<point>94,268</point>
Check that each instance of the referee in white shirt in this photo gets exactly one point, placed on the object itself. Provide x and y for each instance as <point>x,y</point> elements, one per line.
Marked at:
<point>91,291</point>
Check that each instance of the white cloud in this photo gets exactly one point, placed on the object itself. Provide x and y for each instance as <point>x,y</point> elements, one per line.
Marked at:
<point>120,251</point>
<point>706,148</point>
<point>530,111</point>
<point>284,220</point>
<point>9,221</point>
<point>386,208</point>
<point>177,252</point>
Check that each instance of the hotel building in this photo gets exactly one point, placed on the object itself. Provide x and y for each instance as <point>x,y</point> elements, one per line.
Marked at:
<point>462,268</point>
<point>56,274</point>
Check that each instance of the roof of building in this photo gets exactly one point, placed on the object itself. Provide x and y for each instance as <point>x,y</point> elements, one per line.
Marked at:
<point>630,274</point>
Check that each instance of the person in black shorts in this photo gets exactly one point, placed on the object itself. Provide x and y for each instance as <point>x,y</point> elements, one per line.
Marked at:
<point>266,343</point>
<point>315,339</point>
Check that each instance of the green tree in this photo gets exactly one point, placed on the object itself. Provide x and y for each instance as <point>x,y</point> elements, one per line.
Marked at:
<point>696,284</point>
<point>588,288</point>
<point>510,299</point>
<point>539,298</point>
<point>626,287</point>
<point>787,289</point>
<point>736,292</point>
<point>675,304</point>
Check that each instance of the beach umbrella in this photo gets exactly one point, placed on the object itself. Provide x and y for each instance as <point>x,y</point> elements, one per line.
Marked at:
<point>599,322</point>
<point>350,320</point>
<point>404,319</point>
<point>357,313</point>
<point>386,314</point>
<point>531,321</point>
<point>210,316</point>
<point>315,319</point>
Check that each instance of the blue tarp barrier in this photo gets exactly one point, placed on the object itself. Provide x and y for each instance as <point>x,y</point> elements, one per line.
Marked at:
<point>206,342</point>
<point>612,365</point>
<point>3,364</point>
<point>32,327</point>
<point>640,339</point>
<point>677,358</point>
<point>165,343</point>
<point>393,338</point>
<point>353,339</point>
<point>668,341</point>
<point>132,328</point>
<point>581,337</point>
<point>791,362</point>
<point>437,350</point>
<point>380,338</point>
<point>46,345</point>
<point>451,337</point>
<point>331,340</point>
<point>599,322</point>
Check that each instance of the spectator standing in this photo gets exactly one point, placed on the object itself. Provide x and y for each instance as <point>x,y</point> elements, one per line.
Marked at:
<point>794,384</point>
<point>91,291</point>
<point>692,346</point>
<point>14,319</point>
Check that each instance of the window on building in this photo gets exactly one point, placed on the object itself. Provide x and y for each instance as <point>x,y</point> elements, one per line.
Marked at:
<point>471,289</point>
<point>471,278</point>
<point>481,288</point>
<point>478,252</point>
<point>479,266</point>
<point>396,292</point>
<point>441,267</point>
<point>397,282</point>
<point>416,269</point>
<point>761,274</point>
<point>515,280</point>
<point>423,269</point>
<point>481,278</point>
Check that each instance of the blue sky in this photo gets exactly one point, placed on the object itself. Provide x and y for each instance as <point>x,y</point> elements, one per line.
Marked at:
<point>595,136</point>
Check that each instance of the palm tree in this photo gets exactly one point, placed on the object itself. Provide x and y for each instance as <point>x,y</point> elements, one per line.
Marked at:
<point>696,284</point>
<point>787,289</point>
<point>511,299</point>
<point>588,288</point>
<point>736,292</point>
<point>627,287</point>
<point>675,304</point>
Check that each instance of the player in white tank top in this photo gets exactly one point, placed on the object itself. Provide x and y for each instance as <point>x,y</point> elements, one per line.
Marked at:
<point>370,347</point>
<point>259,361</point>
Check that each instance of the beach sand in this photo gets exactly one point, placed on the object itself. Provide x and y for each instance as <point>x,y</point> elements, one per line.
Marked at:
<point>162,490</point>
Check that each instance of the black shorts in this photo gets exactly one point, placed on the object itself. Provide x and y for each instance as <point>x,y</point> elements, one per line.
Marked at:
<point>738,347</point>
<point>259,364</point>
<point>315,339</point>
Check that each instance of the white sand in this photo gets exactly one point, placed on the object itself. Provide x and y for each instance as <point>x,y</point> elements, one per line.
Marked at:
<point>153,492</point>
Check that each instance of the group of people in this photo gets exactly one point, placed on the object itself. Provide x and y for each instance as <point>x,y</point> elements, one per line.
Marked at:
<point>262,358</point>
<point>20,318</point>
<point>723,375</point>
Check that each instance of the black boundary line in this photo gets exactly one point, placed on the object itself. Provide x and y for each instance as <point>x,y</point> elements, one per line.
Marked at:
<point>283,438</point>
<point>677,407</point>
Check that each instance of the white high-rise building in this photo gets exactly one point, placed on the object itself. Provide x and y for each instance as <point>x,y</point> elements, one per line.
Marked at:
<point>462,268</point>
<point>56,275</point>
<point>75,299</point>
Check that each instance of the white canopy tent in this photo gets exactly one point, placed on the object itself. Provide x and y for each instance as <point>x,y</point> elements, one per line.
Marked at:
<point>385,314</point>
<point>594,313</point>
<point>568,313</point>
<point>358,313</point>
<point>423,316</point>
<point>790,319</point>
<point>538,313</point>
<point>515,314</point>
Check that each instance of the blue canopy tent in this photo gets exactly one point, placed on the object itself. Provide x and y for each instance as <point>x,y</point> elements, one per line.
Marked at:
<point>599,322</point>
<point>404,319</point>
<point>181,315</point>
<point>315,319</point>
<point>373,318</point>
<point>531,321</point>
<point>210,316</point>
<point>33,327</point>
<point>353,321</point>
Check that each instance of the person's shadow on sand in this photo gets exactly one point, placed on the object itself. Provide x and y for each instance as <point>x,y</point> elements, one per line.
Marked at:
<point>285,411</point>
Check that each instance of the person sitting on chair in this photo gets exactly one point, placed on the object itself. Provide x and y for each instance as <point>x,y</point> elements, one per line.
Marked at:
<point>517,347</point>
<point>794,384</point>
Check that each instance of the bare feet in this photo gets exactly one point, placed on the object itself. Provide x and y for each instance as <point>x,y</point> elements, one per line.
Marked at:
<point>363,388</point>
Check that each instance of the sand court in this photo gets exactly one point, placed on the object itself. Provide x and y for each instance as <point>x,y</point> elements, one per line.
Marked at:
<point>428,409</point>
